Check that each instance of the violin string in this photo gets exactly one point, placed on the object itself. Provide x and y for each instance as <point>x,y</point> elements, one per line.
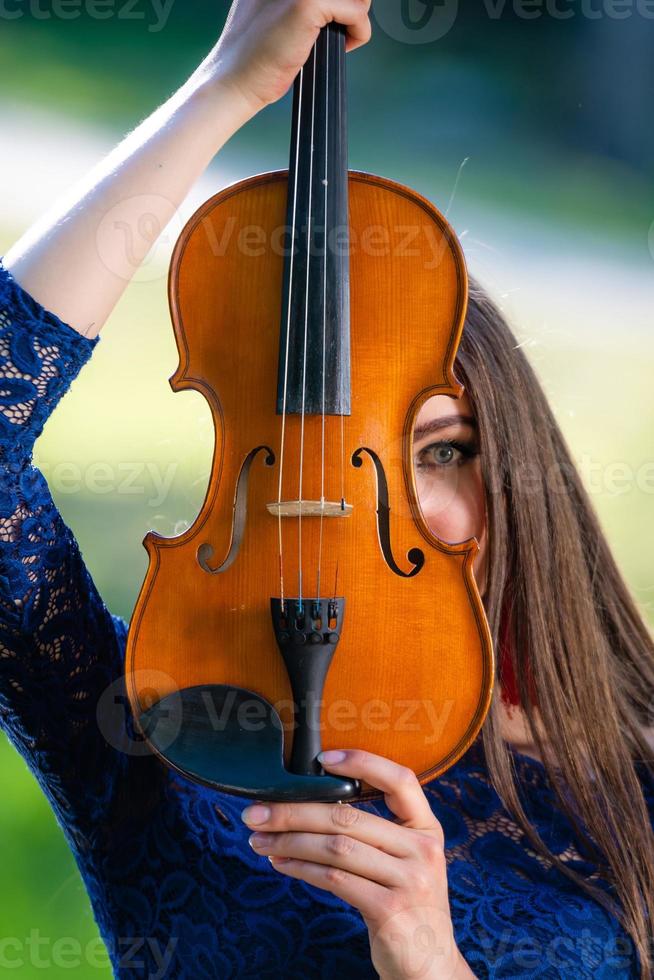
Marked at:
<point>288,336</point>
<point>324,321</point>
<point>306,331</point>
<point>341,366</point>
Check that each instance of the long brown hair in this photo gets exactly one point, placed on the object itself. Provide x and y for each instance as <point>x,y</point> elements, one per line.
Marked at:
<point>566,626</point>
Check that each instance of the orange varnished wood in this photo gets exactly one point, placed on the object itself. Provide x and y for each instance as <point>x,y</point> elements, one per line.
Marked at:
<point>412,676</point>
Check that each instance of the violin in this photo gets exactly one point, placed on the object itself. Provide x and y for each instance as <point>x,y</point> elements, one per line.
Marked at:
<point>310,605</point>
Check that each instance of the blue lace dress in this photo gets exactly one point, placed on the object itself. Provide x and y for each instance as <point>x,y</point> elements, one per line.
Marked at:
<point>175,888</point>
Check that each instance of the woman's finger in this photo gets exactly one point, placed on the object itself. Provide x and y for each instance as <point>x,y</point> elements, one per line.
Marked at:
<point>333,818</point>
<point>402,791</point>
<point>353,14</point>
<point>365,895</point>
<point>335,850</point>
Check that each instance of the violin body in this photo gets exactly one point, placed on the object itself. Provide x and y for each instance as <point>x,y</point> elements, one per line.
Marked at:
<point>411,669</point>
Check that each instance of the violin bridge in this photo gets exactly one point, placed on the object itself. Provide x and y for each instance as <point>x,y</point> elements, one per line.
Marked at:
<point>310,508</point>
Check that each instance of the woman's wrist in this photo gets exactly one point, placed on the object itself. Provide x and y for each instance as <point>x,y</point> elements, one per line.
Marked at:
<point>222,83</point>
<point>462,971</point>
<point>225,98</point>
<point>458,970</point>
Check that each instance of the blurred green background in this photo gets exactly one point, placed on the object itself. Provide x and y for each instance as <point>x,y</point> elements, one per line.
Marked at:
<point>532,132</point>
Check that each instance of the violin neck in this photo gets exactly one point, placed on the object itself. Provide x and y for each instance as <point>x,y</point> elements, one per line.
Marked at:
<point>314,362</point>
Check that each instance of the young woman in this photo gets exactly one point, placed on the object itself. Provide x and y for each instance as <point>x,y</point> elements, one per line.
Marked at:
<point>534,854</point>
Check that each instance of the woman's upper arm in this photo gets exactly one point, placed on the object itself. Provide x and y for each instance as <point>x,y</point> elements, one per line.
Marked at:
<point>60,648</point>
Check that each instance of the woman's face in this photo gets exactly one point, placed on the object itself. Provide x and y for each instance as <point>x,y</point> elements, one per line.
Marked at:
<point>448,474</point>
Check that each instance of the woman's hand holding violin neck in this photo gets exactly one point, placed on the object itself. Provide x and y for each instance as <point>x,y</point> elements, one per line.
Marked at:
<point>78,261</point>
<point>394,873</point>
<point>265,43</point>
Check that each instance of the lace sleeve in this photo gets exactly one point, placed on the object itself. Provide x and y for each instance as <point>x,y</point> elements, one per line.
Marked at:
<point>60,647</point>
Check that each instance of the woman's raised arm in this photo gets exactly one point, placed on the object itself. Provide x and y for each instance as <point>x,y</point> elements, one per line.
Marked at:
<point>74,261</point>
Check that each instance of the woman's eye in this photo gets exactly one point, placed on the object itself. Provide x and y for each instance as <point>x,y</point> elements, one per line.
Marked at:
<point>443,454</point>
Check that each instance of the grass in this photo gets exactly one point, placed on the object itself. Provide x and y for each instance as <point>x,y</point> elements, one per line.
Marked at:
<point>47,922</point>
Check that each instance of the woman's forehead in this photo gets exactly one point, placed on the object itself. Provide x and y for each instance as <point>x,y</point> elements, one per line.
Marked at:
<point>439,406</point>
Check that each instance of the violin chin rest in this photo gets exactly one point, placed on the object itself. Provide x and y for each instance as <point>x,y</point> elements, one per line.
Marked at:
<point>231,739</point>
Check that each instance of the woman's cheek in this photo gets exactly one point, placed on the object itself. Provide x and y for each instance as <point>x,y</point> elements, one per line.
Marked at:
<point>450,523</point>
<point>453,506</point>
<point>457,524</point>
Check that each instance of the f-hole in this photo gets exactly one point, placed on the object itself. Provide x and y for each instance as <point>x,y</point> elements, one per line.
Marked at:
<point>205,551</point>
<point>414,555</point>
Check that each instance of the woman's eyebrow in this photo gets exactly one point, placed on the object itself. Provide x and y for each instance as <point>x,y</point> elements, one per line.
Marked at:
<point>435,425</point>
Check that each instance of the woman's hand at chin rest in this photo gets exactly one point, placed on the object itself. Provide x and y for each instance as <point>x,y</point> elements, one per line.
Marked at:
<point>393,872</point>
